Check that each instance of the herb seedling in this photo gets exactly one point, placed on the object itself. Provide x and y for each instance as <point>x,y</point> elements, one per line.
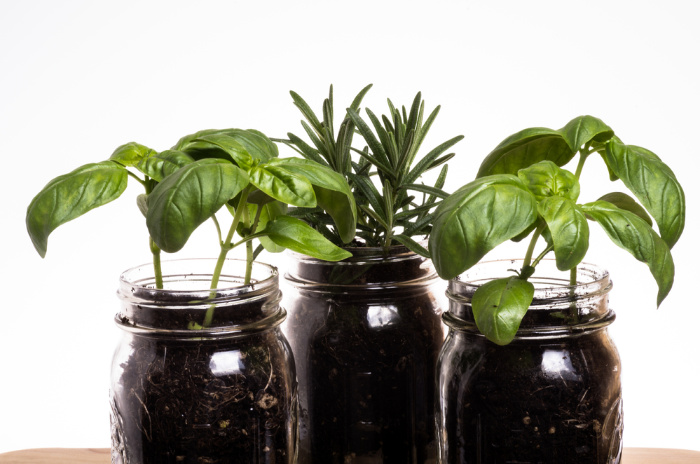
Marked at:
<point>521,189</point>
<point>390,155</point>
<point>187,185</point>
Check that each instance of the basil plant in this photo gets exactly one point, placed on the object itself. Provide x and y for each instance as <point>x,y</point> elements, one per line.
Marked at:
<point>522,190</point>
<point>188,184</point>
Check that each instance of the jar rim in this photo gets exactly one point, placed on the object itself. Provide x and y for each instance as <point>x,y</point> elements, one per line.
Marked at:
<point>592,278</point>
<point>557,307</point>
<point>186,297</point>
<point>394,252</point>
<point>141,277</point>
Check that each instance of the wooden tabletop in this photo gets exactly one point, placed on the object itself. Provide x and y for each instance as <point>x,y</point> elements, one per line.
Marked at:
<point>101,456</point>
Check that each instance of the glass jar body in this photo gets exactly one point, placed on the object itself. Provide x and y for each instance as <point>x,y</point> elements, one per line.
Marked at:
<point>552,395</point>
<point>366,334</point>
<point>221,394</point>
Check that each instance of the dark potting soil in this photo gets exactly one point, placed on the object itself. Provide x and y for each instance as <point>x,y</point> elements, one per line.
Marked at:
<point>366,366</point>
<point>532,401</point>
<point>221,401</point>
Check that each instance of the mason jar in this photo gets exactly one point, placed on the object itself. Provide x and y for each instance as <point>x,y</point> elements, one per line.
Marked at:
<point>552,395</point>
<point>182,393</point>
<point>365,333</point>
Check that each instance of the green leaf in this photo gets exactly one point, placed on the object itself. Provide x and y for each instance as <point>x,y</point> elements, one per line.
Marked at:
<point>160,165</point>
<point>142,204</point>
<point>283,185</point>
<point>412,245</point>
<point>298,236</point>
<point>499,307</point>
<point>366,132</point>
<point>371,193</point>
<point>71,195</point>
<point>630,232</point>
<point>306,150</point>
<point>188,197</point>
<point>130,154</point>
<point>624,201</point>
<point>526,148</point>
<point>306,110</point>
<point>477,218</point>
<point>654,185</point>
<point>231,146</point>
<point>258,146</point>
<point>545,179</point>
<point>358,99</point>
<point>568,228</point>
<point>584,129</point>
<point>427,162</point>
<point>269,212</point>
<point>333,193</point>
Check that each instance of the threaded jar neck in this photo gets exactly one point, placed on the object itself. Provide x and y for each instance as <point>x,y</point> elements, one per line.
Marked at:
<point>557,309</point>
<point>186,297</point>
<point>369,268</point>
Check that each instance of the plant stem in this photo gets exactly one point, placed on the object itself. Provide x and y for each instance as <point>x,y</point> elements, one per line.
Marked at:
<point>582,159</point>
<point>531,247</point>
<point>542,255</point>
<point>249,246</point>
<point>225,248</point>
<point>156,263</point>
<point>138,179</point>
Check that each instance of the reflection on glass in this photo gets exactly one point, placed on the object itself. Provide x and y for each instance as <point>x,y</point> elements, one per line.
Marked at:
<point>557,364</point>
<point>226,363</point>
<point>382,316</point>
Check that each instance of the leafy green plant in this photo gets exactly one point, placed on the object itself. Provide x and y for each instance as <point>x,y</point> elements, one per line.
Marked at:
<point>521,190</point>
<point>188,184</point>
<point>388,209</point>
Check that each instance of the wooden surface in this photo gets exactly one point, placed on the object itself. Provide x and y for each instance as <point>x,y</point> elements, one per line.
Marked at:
<point>101,456</point>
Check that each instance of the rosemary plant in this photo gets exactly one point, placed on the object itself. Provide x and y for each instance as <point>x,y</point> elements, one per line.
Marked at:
<point>393,204</point>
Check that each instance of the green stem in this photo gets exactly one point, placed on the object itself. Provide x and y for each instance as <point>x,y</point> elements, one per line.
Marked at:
<point>582,159</point>
<point>531,247</point>
<point>542,255</point>
<point>156,263</point>
<point>138,179</point>
<point>225,248</point>
<point>249,246</point>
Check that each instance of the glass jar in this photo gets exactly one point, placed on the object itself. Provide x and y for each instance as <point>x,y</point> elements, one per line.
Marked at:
<point>184,394</point>
<point>365,333</point>
<point>552,395</point>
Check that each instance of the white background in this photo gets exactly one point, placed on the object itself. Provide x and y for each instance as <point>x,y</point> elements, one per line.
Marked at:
<point>77,79</point>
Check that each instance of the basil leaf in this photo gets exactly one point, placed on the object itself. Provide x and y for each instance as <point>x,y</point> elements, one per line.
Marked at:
<point>333,193</point>
<point>71,195</point>
<point>624,201</point>
<point>283,185</point>
<point>190,196</point>
<point>258,146</point>
<point>654,185</point>
<point>295,234</point>
<point>545,179</point>
<point>477,218</point>
<point>160,165</point>
<point>269,212</point>
<point>142,204</point>
<point>568,229</point>
<point>584,129</point>
<point>499,307</point>
<point>130,154</point>
<point>526,148</point>
<point>629,231</point>
<point>231,146</point>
